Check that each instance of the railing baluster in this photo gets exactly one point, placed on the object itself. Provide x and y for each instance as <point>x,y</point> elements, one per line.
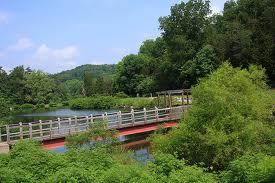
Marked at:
<point>145,115</point>
<point>133,117</point>
<point>59,125</point>
<point>92,118</point>
<point>40,128</point>
<point>8,133</point>
<point>157,114</point>
<point>87,122</point>
<point>21,130</point>
<point>119,119</point>
<point>70,125</point>
<point>76,123</point>
<point>30,130</point>
<point>51,126</point>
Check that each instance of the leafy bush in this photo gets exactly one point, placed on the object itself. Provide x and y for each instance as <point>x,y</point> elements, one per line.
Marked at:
<point>251,168</point>
<point>107,102</point>
<point>27,107</point>
<point>135,102</point>
<point>229,117</point>
<point>191,174</point>
<point>121,95</point>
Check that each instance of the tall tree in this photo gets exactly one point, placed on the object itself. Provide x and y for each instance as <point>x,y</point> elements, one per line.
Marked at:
<point>184,35</point>
<point>16,84</point>
<point>88,84</point>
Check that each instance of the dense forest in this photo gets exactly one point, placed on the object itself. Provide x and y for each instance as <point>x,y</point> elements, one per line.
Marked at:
<point>193,44</point>
<point>78,72</point>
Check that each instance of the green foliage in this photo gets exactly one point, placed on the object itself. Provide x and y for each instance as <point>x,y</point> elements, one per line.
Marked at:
<point>74,87</point>
<point>229,117</point>
<point>88,84</point>
<point>139,102</point>
<point>128,174</point>
<point>107,102</point>
<point>251,168</point>
<point>4,107</point>
<point>121,95</point>
<point>78,72</point>
<point>191,174</point>
<point>97,135</point>
<point>27,155</point>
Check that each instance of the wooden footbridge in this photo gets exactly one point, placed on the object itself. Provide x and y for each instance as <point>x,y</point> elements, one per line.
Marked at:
<point>136,121</point>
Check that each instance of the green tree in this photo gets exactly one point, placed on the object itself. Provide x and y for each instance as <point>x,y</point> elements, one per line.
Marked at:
<point>200,66</point>
<point>39,88</point>
<point>251,168</point>
<point>228,118</point>
<point>74,87</point>
<point>16,84</point>
<point>184,35</point>
<point>244,34</point>
<point>88,84</point>
<point>130,73</point>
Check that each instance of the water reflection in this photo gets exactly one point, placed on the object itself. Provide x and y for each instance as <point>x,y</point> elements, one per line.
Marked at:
<point>58,113</point>
<point>137,143</point>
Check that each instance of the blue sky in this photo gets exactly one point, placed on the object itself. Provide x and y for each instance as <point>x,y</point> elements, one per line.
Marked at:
<point>56,35</point>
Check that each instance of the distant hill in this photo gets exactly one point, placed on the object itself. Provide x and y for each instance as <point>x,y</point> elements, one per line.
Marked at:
<point>78,72</point>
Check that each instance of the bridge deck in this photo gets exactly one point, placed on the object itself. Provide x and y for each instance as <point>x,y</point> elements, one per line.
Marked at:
<point>52,144</point>
<point>60,128</point>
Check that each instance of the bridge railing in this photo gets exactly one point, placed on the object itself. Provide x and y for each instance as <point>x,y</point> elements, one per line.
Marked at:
<point>53,129</point>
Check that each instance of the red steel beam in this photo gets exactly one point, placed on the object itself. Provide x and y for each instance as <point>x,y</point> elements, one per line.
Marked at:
<point>52,144</point>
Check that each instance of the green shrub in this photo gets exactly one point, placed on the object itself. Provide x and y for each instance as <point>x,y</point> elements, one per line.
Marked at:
<point>128,174</point>
<point>40,106</point>
<point>251,168</point>
<point>135,102</point>
<point>53,104</point>
<point>65,103</point>
<point>27,107</point>
<point>121,95</point>
<point>228,118</point>
<point>73,175</point>
<point>191,174</point>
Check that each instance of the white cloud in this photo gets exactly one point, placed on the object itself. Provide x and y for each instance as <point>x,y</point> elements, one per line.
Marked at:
<point>22,44</point>
<point>3,18</point>
<point>54,60</point>
<point>43,52</point>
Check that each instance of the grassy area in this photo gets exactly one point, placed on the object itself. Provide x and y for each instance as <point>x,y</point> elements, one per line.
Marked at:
<point>272,93</point>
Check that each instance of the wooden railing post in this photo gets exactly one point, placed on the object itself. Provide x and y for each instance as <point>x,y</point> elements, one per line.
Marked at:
<point>182,97</point>
<point>145,115</point>
<point>59,125</point>
<point>30,130</point>
<point>133,117</point>
<point>119,119</point>
<point>70,125</point>
<point>107,120</point>
<point>92,118</point>
<point>8,133</point>
<point>187,95</point>
<point>40,128</point>
<point>21,130</point>
<point>157,113</point>
<point>76,123</point>
<point>87,122</point>
<point>51,127</point>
